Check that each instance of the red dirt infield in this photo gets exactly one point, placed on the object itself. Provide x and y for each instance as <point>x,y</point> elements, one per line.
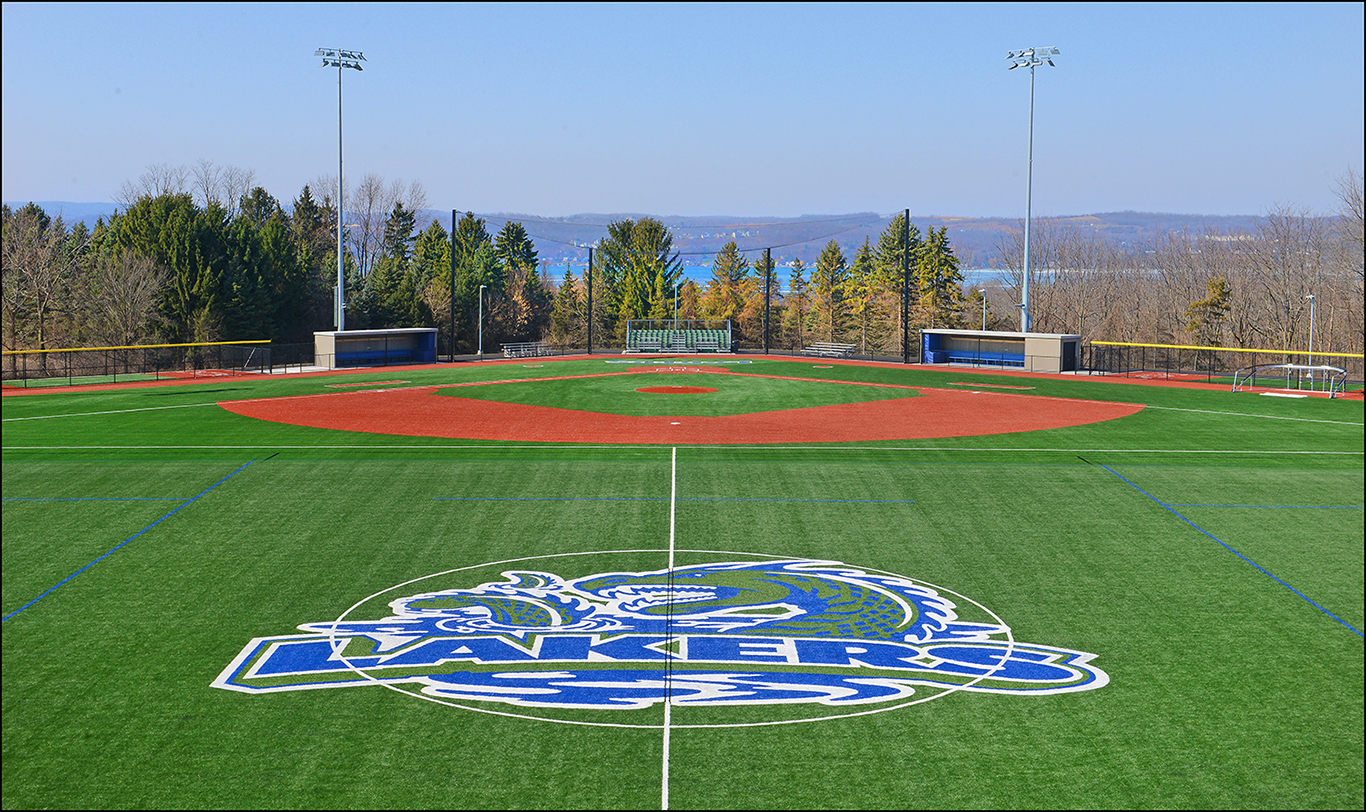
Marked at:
<point>422,412</point>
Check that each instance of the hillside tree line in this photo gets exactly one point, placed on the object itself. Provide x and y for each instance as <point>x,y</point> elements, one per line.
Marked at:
<point>205,254</point>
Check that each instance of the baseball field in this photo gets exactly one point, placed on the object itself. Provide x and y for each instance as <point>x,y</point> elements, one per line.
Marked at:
<point>682,582</point>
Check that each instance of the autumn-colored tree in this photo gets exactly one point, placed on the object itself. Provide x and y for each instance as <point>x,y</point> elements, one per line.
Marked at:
<point>829,305</point>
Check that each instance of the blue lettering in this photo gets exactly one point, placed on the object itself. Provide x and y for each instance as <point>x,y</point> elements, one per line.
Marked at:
<point>741,649</point>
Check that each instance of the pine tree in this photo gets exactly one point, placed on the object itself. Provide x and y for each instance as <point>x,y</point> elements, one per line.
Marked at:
<point>627,263</point>
<point>524,311</point>
<point>795,305</point>
<point>863,295</point>
<point>830,310</point>
<point>398,235</point>
<point>476,264</point>
<point>566,317</point>
<point>1206,317</point>
<point>899,242</point>
<point>940,282</point>
<point>724,295</point>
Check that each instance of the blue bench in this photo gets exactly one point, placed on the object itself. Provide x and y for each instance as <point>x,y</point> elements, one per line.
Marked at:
<point>1003,359</point>
<point>349,359</point>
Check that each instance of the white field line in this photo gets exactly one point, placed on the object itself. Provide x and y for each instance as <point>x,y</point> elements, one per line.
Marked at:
<point>113,411</point>
<point>1265,416</point>
<point>668,699</point>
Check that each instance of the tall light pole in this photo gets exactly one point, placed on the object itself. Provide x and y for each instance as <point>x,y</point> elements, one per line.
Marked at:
<point>1030,58</point>
<point>481,321</point>
<point>983,291</point>
<point>337,58</point>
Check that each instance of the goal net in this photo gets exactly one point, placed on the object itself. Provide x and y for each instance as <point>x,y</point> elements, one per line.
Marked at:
<point>1314,378</point>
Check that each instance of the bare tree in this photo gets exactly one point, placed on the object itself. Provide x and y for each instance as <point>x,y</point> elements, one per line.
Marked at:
<point>1287,264</point>
<point>208,183</point>
<point>124,291</point>
<point>415,200</point>
<point>1350,223</point>
<point>370,205</point>
<point>157,180</point>
<point>237,182</point>
<point>39,268</point>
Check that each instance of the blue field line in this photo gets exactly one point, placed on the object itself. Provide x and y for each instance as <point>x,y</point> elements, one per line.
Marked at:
<point>104,499</point>
<point>125,541</point>
<point>1298,507</point>
<point>661,499</point>
<point>1235,552</point>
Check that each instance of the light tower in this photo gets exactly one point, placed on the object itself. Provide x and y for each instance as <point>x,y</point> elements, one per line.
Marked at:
<point>337,58</point>
<point>1030,58</point>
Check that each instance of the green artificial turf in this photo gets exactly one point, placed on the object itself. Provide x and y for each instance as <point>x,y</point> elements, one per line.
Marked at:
<point>734,394</point>
<point>1138,540</point>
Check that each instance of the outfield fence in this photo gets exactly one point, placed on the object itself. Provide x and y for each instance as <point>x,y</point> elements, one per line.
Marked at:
<point>1211,364</point>
<point>85,365</point>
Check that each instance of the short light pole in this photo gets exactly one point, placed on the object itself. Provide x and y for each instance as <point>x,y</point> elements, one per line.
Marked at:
<point>983,291</point>
<point>481,321</point>
<point>1310,297</point>
<point>1030,58</point>
<point>337,58</point>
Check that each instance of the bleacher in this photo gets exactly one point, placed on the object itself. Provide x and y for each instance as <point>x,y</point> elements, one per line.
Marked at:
<point>829,349</point>
<point>677,341</point>
<point>527,349</point>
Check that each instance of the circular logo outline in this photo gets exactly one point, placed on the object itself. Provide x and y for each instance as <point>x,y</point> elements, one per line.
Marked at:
<point>896,705</point>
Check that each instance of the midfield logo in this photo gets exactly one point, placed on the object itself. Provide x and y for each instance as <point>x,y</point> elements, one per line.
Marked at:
<point>726,633</point>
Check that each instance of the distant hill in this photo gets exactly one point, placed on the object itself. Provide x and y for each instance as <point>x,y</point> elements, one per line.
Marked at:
<point>976,239</point>
<point>87,213</point>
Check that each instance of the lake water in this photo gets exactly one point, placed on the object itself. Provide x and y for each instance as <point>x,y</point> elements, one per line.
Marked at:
<point>973,277</point>
<point>701,274</point>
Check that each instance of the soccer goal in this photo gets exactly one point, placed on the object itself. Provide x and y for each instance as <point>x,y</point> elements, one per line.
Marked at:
<point>1315,378</point>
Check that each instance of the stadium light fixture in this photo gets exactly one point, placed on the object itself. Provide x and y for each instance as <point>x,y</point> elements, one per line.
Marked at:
<point>337,58</point>
<point>1029,58</point>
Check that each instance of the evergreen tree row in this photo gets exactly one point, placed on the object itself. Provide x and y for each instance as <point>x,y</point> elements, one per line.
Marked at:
<point>166,270</point>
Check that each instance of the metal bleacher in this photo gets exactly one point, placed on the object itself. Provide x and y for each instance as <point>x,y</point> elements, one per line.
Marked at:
<point>682,339</point>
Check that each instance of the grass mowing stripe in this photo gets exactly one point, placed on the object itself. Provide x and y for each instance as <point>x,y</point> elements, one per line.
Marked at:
<point>125,541</point>
<point>1235,552</point>
<point>105,499</point>
<point>112,411</point>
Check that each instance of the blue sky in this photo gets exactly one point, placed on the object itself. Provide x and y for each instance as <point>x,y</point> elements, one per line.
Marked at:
<point>765,109</point>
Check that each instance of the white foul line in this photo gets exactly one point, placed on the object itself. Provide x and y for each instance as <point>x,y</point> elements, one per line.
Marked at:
<point>1245,414</point>
<point>668,700</point>
<point>115,411</point>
